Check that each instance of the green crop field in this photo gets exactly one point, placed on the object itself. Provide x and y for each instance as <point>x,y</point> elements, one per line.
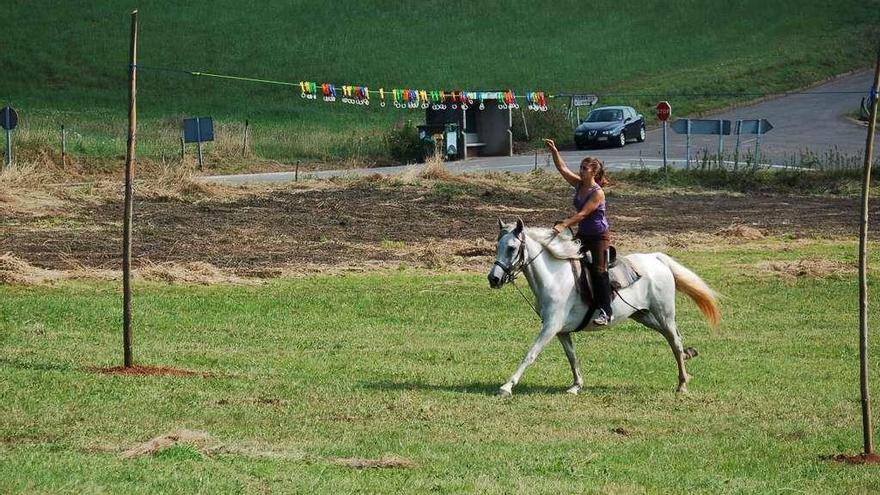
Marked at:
<point>66,63</point>
<point>403,365</point>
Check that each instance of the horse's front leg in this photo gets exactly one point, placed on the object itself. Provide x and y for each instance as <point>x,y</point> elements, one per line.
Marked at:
<point>548,331</point>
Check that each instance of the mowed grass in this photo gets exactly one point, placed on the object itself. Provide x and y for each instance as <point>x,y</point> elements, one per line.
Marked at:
<point>305,371</point>
<point>66,63</point>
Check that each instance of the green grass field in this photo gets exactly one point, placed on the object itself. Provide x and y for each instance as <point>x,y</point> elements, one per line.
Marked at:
<point>65,63</point>
<point>404,364</point>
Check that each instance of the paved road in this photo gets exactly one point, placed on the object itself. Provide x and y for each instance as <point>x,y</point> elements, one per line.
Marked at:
<point>812,121</point>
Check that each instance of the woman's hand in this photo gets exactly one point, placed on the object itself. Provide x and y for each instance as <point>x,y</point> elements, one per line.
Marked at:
<point>558,228</point>
<point>551,145</point>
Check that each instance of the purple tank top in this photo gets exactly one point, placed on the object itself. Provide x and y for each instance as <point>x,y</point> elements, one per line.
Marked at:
<point>595,223</point>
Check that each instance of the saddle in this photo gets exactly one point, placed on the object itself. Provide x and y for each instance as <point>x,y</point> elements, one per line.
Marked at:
<point>621,272</point>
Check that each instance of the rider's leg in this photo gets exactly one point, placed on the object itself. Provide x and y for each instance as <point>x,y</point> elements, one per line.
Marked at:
<point>601,280</point>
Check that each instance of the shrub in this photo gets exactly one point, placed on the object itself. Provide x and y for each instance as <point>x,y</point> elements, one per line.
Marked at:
<point>403,143</point>
<point>552,124</point>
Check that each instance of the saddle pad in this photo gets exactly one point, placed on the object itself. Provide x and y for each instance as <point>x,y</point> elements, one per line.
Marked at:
<point>621,273</point>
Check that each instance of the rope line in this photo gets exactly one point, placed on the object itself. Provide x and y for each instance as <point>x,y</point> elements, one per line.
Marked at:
<point>249,79</point>
<point>524,96</point>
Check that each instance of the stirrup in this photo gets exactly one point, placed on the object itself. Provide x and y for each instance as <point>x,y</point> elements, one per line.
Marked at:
<point>601,319</point>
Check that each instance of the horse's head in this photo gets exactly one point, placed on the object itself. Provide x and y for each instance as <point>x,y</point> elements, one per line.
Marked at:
<point>508,253</point>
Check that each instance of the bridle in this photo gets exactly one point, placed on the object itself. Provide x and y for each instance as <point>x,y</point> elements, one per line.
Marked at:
<point>512,270</point>
<point>518,266</point>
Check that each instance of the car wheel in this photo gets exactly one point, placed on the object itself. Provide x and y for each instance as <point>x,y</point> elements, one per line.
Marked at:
<point>621,140</point>
<point>642,134</point>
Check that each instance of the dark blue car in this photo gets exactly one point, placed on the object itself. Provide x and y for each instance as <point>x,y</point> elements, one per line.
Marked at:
<point>610,126</point>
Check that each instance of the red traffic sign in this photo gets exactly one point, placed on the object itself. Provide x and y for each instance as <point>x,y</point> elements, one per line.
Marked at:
<point>664,110</point>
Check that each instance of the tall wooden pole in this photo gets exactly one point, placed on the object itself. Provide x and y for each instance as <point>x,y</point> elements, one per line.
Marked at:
<point>126,224</point>
<point>867,429</point>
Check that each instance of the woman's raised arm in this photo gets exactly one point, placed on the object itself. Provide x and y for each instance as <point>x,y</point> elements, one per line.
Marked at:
<point>571,177</point>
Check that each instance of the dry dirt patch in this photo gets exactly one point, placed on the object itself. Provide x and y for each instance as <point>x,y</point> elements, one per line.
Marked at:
<point>740,231</point>
<point>200,440</point>
<point>857,459</point>
<point>805,268</point>
<point>190,272</point>
<point>14,270</point>
<point>379,222</point>
<point>148,371</point>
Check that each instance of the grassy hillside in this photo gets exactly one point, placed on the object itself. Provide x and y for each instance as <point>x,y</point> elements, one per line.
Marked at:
<point>66,62</point>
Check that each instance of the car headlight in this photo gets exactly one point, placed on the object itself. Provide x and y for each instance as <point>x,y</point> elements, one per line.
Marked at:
<point>607,132</point>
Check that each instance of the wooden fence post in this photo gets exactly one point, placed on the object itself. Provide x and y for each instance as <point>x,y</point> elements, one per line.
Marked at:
<point>867,429</point>
<point>126,225</point>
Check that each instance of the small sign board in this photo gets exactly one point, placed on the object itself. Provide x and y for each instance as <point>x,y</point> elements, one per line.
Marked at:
<point>700,126</point>
<point>754,126</point>
<point>664,109</point>
<point>8,118</point>
<point>584,100</point>
<point>198,130</point>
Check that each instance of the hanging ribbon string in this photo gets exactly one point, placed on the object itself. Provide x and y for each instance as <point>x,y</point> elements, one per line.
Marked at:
<point>410,98</point>
<point>401,98</point>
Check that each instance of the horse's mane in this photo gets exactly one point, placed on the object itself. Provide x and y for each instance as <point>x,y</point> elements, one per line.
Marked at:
<point>562,246</point>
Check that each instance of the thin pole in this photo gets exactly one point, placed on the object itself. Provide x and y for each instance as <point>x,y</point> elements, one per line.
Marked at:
<point>525,127</point>
<point>687,147</point>
<point>182,148</point>
<point>736,150</point>
<point>244,147</point>
<point>63,145</point>
<point>720,141</point>
<point>8,140</point>
<point>867,429</point>
<point>665,167</point>
<point>199,140</point>
<point>758,144</point>
<point>126,225</point>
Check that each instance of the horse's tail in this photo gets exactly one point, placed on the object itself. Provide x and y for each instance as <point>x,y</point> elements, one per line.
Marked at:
<point>692,285</point>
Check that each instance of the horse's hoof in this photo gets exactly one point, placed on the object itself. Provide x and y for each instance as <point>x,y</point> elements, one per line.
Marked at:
<point>503,392</point>
<point>681,389</point>
<point>574,390</point>
<point>690,353</point>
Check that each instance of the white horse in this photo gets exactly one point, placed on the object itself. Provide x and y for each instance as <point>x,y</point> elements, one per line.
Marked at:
<point>543,258</point>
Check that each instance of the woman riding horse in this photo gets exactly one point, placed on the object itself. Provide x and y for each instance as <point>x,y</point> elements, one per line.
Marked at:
<point>593,231</point>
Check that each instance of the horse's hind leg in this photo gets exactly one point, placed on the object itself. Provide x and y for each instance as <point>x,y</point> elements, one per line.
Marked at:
<point>568,345</point>
<point>667,327</point>
<point>674,339</point>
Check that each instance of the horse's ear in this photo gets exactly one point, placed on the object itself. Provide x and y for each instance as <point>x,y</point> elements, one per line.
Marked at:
<point>500,224</point>
<point>519,226</point>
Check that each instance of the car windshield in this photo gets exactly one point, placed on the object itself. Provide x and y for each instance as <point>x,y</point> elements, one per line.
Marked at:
<point>605,115</point>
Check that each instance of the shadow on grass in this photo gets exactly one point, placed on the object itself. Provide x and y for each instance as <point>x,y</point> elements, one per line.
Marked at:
<point>484,388</point>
